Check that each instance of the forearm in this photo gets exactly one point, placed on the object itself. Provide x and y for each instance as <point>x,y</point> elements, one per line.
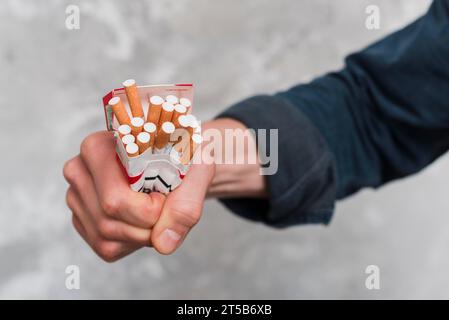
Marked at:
<point>382,117</point>
<point>300,185</point>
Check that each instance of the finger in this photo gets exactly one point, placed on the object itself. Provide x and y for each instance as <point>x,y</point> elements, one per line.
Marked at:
<point>108,250</point>
<point>111,251</point>
<point>78,209</point>
<point>182,209</point>
<point>81,181</point>
<point>108,228</point>
<point>79,227</point>
<point>119,231</point>
<point>115,196</point>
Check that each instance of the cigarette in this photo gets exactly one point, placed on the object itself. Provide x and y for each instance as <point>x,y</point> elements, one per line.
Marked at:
<point>192,124</point>
<point>136,126</point>
<point>143,141</point>
<point>179,111</point>
<point>166,113</point>
<point>151,129</point>
<point>189,152</point>
<point>163,135</point>
<point>198,128</point>
<point>186,103</point>
<point>123,130</point>
<point>181,140</point>
<point>132,150</point>
<point>119,110</point>
<point>129,138</point>
<point>184,123</point>
<point>133,98</point>
<point>172,99</point>
<point>155,108</point>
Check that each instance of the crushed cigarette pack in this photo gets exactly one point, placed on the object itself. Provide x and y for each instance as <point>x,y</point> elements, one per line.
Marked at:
<point>156,134</point>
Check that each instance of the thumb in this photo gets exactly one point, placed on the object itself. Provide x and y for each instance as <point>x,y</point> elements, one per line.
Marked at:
<point>182,209</point>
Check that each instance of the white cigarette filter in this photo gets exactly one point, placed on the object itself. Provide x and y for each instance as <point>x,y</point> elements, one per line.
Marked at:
<point>163,135</point>
<point>166,113</point>
<point>119,110</point>
<point>123,130</point>
<point>188,153</point>
<point>137,125</point>
<point>132,150</point>
<point>151,129</point>
<point>143,141</point>
<point>155,109</point>
<point>133,98</point>
<point>184,121</point>
<point>172,99</point>
<point>129,138</point>
<point>185,102</point>
<point>179,111</point>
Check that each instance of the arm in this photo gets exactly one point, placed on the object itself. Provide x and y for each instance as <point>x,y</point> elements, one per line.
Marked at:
<point>383,117</point>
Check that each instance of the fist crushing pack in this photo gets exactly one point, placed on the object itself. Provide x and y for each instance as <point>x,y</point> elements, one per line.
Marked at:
<point>156,134</point>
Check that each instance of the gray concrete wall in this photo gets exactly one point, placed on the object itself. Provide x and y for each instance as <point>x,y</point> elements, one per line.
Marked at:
<point>51,81</point>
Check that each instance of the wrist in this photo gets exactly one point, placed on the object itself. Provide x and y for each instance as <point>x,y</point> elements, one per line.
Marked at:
<point>238,177</point>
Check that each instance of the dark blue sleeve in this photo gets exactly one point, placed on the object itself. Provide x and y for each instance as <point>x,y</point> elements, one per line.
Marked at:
<point>383,117</point>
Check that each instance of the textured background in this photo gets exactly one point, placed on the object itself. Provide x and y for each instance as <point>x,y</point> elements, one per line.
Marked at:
<point>51,81</point>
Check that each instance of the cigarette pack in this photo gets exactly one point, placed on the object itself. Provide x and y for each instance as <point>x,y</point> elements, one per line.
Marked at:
<point>156,168</point>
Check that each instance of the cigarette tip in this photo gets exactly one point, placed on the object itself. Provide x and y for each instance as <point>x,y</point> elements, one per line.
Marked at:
<point>113,101</point>
<point>168,127</point>
<point>156,100</point>
<point>129,83</point>
<point>132,149</point>
<point>137,122</point>
<point>185,102</point>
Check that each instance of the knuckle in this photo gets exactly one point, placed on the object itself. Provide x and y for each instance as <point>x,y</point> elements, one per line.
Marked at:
<point>111,205</point>
<point>186,213</point>
<point>149,213</point>
<point>78,227</point>
<point>107,229</point>
<point>88,145</point>
<point>108,251</point>
<point>69,171</point>
<point>70,199</point>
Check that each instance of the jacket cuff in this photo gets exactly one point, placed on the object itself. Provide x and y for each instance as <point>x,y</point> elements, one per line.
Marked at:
<point>303,188</point>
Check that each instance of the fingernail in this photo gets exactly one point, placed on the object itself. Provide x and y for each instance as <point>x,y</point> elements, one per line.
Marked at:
<point>170,239</point>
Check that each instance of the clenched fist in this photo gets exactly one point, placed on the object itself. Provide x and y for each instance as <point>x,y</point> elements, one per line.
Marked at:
<point>115,220</point>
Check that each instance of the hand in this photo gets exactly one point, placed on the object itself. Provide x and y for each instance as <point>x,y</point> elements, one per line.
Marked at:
<point>114,220</point>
